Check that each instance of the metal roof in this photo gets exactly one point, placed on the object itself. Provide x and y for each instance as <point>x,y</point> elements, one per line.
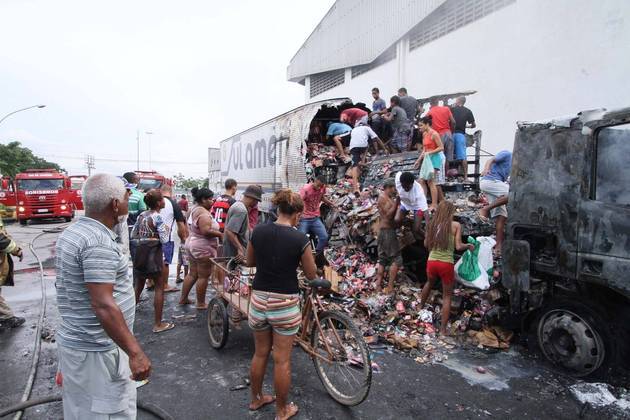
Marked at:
<point>356,32</point>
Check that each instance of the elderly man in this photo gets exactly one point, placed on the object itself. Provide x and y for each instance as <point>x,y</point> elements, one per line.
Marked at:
<point>8,248</point>
<point>236,233</point>
<point>98,353</point>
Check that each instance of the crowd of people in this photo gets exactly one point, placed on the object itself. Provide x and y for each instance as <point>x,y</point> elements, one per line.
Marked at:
<point>98,352</point>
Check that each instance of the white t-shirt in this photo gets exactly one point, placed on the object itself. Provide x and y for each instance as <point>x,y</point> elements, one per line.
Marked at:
<point>413,199</point>
<point>168,216</point>
<point>360,136</point>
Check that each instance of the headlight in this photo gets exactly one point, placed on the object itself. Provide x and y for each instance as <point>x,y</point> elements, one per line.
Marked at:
<point>21,203</point>
<point>63,201</point>
<point>21,209</point>
<point>63,207</point>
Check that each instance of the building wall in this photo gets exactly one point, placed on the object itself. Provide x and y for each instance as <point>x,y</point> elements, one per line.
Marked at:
<point>531,60</point>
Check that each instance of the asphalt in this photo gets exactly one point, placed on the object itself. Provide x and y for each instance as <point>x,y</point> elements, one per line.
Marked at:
<point>190,380</point>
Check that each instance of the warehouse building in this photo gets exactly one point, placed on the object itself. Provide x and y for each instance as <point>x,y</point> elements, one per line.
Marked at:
<point>527,59</point>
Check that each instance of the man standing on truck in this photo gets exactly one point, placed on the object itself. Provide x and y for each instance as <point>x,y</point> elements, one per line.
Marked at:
<point>412,199</point>
<point>494,185</point>
<point>339,134</point>
<point>442,121</point>
<point>313,195</point>
<point>360,139</point>
<point>408,103</point>
<point>236,234</point>
<point>388,244</point>
<point>464,119</point>
<point>379,103</point>
<point>401,126</point>
<point>222,204</point>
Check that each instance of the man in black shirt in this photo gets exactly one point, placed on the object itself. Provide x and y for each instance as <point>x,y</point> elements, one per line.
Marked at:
<point>463,119</point>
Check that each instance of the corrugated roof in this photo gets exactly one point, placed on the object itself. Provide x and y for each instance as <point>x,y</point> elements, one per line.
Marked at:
<point>356,32</point>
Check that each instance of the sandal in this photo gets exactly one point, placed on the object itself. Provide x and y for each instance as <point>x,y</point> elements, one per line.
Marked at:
<point>169,326</point>
<point>171,289</point>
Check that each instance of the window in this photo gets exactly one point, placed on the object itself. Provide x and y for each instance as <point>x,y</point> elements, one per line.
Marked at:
<point>452,15</point>
<point>40,184</point>
<point>612,181</point>
<point>321,82</point>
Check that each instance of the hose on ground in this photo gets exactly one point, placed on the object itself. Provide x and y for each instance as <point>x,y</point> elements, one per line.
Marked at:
<point>148,407</point>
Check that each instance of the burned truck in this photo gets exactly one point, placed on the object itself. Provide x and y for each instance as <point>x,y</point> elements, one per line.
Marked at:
<point>566,257</point>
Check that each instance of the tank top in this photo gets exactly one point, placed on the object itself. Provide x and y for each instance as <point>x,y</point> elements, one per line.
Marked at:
<point>427,141</point>
<point>444,255</point>
<point>197,244</point>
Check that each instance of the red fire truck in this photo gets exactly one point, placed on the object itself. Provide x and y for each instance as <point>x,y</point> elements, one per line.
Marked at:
<point>43,194</point>
<point>7,198</point>
<point>76,185</point>
<point>151,179</point>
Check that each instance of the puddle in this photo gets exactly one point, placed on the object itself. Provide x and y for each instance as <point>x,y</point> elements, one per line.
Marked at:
<point>499,369</point>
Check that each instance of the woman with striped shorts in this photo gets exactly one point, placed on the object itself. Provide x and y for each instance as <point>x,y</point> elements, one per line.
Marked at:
<point>276,249</point>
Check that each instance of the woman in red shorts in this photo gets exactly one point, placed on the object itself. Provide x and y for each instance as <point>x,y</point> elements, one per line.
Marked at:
<point>443,236</point>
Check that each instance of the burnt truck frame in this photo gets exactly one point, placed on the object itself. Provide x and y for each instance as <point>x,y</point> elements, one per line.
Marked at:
<point>566,255</point>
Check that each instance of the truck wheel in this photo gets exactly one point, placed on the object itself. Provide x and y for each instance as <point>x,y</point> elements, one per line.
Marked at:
<point>23,222</point>
<point>67,219</point>
<point>576,337</point>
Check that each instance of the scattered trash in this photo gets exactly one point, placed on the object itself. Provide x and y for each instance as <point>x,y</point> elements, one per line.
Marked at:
<point>600,395</point>
<point>480,369</point>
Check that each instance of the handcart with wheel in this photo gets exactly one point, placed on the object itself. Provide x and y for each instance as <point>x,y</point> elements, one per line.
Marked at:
<point>332,340</point>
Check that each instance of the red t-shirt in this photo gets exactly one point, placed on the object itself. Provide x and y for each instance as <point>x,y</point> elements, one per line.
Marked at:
<point>253,217</point>
<point>183,204</point>
<point>312,199</point>
<point>352,115</point>
<point>441,118</point>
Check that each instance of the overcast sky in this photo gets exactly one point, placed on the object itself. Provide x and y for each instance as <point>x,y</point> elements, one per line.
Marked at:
<point>192,72</point>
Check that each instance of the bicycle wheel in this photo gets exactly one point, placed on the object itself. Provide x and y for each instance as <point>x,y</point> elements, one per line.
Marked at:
<point>348,375</point>
<point>218,324</point>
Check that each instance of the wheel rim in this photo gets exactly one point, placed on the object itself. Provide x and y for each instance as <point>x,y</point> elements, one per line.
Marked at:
<point>215,324</point>
<point>567,339</point>
<point>347,373</point>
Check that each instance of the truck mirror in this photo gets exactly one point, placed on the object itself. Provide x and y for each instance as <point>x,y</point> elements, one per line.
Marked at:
<point>68,183</point>
<point>5,184</point>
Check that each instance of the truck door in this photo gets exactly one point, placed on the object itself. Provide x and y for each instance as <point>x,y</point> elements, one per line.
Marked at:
<point>604,216</point>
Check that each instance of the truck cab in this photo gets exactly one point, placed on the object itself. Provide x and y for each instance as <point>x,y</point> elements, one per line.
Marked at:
<point>7,198</point>
<point>43,194</point>
<point>76,187</point>
<point>566,257</point>
<point>149,180</point>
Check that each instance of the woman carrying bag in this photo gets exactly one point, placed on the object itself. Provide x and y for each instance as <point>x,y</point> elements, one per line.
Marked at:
<point>432,148</point>
<point>148,235</point>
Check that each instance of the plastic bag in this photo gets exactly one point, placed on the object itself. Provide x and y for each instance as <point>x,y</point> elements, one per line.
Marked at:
<point>486,260</point>
<point>426,170</point>
<point>469,271</point>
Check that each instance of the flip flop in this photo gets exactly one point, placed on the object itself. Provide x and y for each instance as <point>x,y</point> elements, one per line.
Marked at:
<point>264,403</point>
<point>169,326</point>
<point>171,290</point>
<point>291,414</point>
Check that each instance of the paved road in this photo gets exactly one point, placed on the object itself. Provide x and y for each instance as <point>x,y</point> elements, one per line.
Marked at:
<point>192,381</point>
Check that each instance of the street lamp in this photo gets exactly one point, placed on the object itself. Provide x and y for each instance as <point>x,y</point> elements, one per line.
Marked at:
<point>149,133</point>
<point>19,110</point>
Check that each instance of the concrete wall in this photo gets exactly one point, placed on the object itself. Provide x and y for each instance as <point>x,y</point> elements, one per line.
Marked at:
<point>532,60</point>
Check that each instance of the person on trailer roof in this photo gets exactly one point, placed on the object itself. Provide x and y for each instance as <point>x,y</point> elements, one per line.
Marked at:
<point>276,250</point>
<point>350,116</point>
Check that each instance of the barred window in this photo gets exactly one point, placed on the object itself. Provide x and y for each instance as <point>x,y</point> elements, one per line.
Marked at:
<point>388,55</point>
<point>321,82</point>
<point>452,15</point>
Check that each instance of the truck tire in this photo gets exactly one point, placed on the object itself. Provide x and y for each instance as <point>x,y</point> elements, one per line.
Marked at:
<point>23,222</point>
<point>576,337</point>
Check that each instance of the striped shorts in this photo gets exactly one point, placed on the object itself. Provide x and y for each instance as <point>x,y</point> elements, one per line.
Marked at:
<point>274,310</point>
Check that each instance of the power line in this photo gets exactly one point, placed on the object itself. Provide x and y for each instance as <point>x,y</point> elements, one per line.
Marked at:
<point>166,162</point>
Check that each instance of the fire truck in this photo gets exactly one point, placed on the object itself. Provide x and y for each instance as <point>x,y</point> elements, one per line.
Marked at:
<point>76,186</point>
<point>151,179</point>
<point>7,198</point>
<point>43,194</point>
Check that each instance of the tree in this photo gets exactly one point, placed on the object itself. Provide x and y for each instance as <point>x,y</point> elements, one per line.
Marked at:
<point>15,159</point>
<point>186,183</point>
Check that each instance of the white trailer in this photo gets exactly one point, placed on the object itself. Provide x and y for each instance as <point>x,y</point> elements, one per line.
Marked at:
<point>272,154</point>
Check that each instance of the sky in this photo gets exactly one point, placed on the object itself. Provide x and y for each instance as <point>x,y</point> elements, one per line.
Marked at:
<point>191,72</point>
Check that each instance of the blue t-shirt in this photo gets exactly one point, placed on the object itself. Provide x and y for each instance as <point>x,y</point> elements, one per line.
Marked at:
<point>336,129</point>
<point>501,168</point>
<point>379,105</point>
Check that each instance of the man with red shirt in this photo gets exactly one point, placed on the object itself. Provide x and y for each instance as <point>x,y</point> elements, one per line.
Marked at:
<point>350,116</point>
<point>442,122</point>
<point>222,204</point>
<point>313,195</point>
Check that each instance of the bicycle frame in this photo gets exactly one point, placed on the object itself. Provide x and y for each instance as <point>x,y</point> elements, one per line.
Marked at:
<point>312,306</point>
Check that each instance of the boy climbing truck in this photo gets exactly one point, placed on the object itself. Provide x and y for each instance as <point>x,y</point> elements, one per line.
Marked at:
<point>566,255</point>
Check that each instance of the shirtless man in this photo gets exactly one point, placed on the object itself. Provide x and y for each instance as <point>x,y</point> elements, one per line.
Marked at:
<point>388,246</point>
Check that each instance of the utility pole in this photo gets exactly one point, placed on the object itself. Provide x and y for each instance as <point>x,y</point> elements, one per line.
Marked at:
<point>89,163</point>
<point>149,134</point>
<point>138,155</point>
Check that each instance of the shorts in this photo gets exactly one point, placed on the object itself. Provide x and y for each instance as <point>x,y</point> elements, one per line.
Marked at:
<point>438,160</point>
<point>168,249</point>
<point>96,384</point>
<point>494,189</point>
<point>459,140</point>
<point>344,138</point>
<point>277,311</point>
<point>182,256</point>
<point>388,248</point>
<point>442,270</point>
<point>357,155</point>
<point>447,141</point>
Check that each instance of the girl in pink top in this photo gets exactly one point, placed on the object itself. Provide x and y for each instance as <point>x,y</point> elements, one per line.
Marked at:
<point>201,245</point>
